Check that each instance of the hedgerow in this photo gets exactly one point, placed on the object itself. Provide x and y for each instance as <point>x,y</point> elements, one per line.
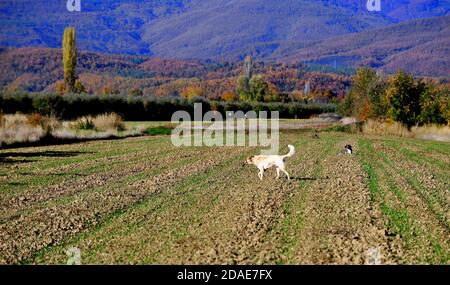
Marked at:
<point>142,108</point>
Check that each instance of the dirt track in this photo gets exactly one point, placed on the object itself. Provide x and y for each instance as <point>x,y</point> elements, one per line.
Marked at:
<point>141,200</point>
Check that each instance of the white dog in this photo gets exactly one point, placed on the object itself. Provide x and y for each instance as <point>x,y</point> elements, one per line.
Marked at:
<point>264,162</point>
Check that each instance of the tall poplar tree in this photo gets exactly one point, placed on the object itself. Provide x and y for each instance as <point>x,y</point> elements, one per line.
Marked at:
<point>70,58</point>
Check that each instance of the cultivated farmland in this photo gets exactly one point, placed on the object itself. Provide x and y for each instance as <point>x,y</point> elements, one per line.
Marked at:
<point>142,201</point>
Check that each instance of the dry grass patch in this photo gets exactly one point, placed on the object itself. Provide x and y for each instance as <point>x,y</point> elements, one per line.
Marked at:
<point>386,128</point>
<point>17,128</point>
<point>107,122</point>
<point>104,123</point>
<point>432,132</point>
<point>427,132</point>
<point>20,128</point>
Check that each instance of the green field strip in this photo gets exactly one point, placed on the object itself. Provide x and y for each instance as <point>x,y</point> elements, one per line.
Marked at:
<point>399,219</point>
<point>35,176</point>
<point>441,167</point>
<point>435,199</point>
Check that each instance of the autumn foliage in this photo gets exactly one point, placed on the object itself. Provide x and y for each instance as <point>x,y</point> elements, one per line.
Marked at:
<point>400,98</point>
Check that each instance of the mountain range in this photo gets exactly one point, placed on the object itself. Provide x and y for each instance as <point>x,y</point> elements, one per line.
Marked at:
<point>409,34</point>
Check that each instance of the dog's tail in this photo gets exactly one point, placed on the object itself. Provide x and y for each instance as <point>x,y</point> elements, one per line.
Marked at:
<point>291,151</point>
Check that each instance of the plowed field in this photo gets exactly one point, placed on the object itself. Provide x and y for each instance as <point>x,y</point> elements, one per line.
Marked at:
<point>143,201</point>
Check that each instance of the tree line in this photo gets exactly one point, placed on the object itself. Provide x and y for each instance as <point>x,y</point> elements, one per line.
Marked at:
<point>399,97</point>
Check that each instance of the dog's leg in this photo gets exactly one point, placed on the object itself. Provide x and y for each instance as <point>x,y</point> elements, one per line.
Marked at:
<point>278,173</point>
<point>261,173</point>
<point>285,172</point>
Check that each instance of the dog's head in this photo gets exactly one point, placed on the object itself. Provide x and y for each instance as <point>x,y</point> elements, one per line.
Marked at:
<point>349,149</point>
<point>249,160</point>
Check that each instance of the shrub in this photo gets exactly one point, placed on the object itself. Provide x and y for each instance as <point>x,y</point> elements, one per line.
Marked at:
<point>48,124</point>
<point>79,87</point>
<point>136,92</point>
<point>60,88</point>
<point>228,96</point>
<point>84,123</point>
<point>34,119</point>
<point>2,119</point>
<point>444,105</point>
<point>156,131</point>
<point>107,122</point>
<point>47,105</point>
